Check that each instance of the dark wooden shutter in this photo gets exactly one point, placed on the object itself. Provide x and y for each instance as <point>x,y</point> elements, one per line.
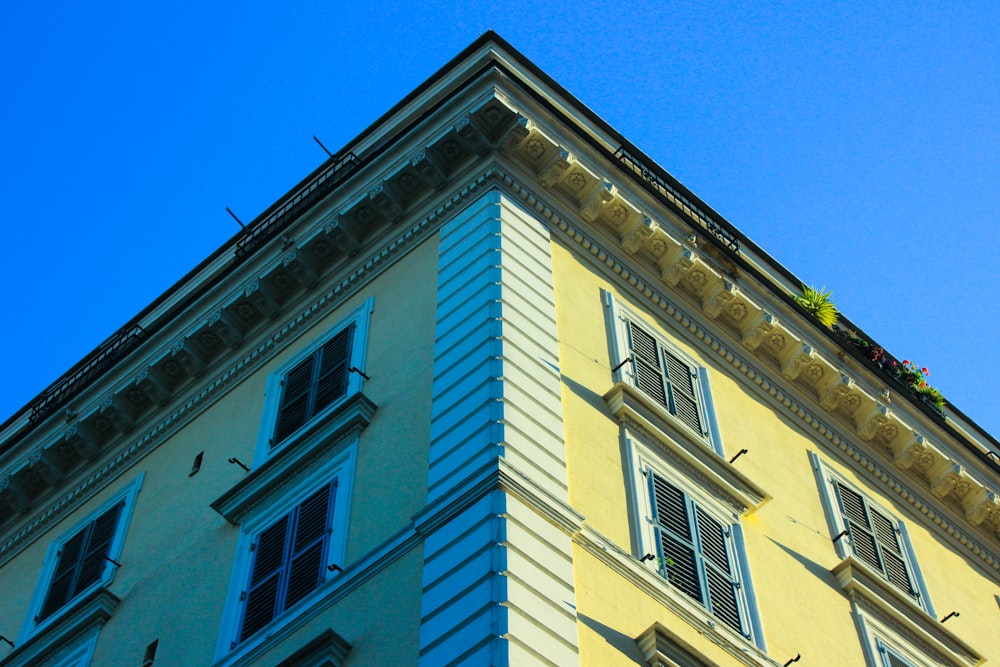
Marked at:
<point>308,557</point>
<point>331,375</point>
<point>314,384</point>
<point>665,377</point>
<point>293,412</point>
<point>289,560</point>
<point>859,526</point>
<point>680,377</point>
<point>648,369</point>
<point>722,584</point>
<point>81,561</point>
<point>697,551</point>
<point>262,596</point>
<point>875,538</point>
<point>888,538</point>
<point>677,552</point>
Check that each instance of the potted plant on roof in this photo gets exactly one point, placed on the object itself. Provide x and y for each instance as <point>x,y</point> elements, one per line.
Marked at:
<point>819,304</point>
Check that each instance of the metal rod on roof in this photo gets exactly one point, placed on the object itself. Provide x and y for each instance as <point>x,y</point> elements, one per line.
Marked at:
<point>316,139</point>
<point>235,218</point>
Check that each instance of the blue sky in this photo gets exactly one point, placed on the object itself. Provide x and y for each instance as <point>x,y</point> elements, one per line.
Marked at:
<point>857,143</point>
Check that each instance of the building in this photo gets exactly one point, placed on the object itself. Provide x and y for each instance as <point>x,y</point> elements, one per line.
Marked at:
<point>490,387</point>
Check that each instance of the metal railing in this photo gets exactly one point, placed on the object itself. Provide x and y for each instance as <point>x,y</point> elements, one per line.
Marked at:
<point>262,232</point>
<point>659,186</point>
<point>100,361</point>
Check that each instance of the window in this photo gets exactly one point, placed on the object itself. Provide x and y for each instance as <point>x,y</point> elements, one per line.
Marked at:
<point>875,537</point>
<point>890,657</point>
<point>664,376</point>
<point>81,561</point>
<point>288,560</point>
<point>668,379</point>
<point>691,539</point>
<point>314,381</point>
<point>84,559</point>
<point>695,552</point>
<point>289,548</point>
<point>863,530</point>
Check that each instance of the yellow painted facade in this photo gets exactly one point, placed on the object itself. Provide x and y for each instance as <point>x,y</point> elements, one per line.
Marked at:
<point>488,389</point>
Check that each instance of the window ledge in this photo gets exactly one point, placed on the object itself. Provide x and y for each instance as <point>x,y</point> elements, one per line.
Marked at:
<point>867,587</point>
<point>85,613</point>
<point>629,405</point>
<point>328,649</point>
<point>741,650</point>
<point>271,477</point>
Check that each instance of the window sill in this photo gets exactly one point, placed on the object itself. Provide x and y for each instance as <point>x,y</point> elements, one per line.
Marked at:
<point>631,406</point>
<point>326,650</point>
<point>867,587</point>
<point>85,613</point>
<point>271,477</point>
<point>741,650</point>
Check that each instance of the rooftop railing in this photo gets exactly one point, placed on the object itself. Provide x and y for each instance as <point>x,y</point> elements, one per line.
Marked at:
<point>659,186</point>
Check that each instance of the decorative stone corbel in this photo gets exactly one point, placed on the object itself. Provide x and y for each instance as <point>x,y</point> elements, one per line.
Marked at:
<point>557,167</point>
<point>762,326</point>
<point>27,479</point>
<point>675,263</point>
<point>943,477</point>
<point>796,359</point>
<point>635,238</point>
<point>594,205</point>
<point>432,173</point>
<point>184,354</point>
<point>221,324</point>
<point>472,136</point>
<point>345,236</point>
<point>300,267</point>
<point>979,504</point>
<point>49,470</point>
<point>150,385</point>
<point>385,203</point>
<point>114,411</point>
<point>515,136</point>
<point>907,448</point>
<point>869,420</point>
<point>835,391</point>
<point>13,495</point>
<point>101,424</point>
<point>716,299</point>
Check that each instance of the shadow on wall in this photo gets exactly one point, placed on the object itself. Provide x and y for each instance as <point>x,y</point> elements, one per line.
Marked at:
<point>622,642</point>
<point>814,568</point>
<point>592,398</point>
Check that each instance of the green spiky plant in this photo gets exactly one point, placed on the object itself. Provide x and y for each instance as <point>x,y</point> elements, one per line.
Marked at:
<point>819,304</point>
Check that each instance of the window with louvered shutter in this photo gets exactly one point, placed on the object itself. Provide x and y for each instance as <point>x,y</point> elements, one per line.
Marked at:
<point>665,377</point>
<point>696,552</point>
<point>314,384</point>
<point>875,538</point>
<point>81,561</point>
<point>891,658</point>
<point>289,560</point>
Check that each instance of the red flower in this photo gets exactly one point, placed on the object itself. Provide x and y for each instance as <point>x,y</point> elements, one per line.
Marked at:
<point>925,371</point>
<point>906,362</point>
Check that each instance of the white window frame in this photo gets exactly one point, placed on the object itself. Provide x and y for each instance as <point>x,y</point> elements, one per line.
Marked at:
<point>644,458</point>
<point>127,495</point>
<point>827,480</point>
<point>879,639</point>
<point>618,317</point>
<point>359,318</point>
<point>80,655</point>
<point>340,466</point>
